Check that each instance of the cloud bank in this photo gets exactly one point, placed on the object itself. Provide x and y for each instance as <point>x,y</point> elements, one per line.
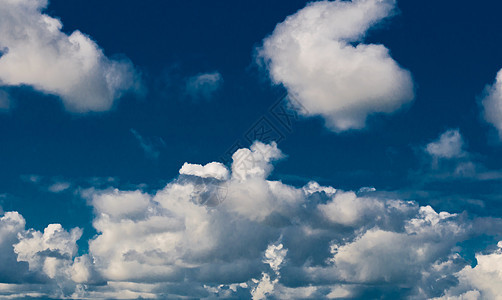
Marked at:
<point>317,54</point>
<point>266,239</point>
<point>35,52</point>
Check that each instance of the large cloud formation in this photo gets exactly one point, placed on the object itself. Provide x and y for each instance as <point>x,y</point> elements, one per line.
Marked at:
<point>262,239</point>
<point>492,104</point>
<point>318,56</point>
<point>35,52</point>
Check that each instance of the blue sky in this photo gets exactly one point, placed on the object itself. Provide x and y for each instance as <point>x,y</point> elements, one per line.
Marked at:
<point>378,127</point>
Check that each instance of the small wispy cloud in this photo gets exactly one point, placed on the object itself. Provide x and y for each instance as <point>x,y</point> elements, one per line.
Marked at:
<point>5,101</point>
<point>59,187</point>
<point>204,85</point>
<point>449,145</point>
<point>149,145</point>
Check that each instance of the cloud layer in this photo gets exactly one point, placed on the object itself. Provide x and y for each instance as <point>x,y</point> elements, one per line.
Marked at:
<point>318,56</point>
<point>264,239</point>
<point>35,52</point>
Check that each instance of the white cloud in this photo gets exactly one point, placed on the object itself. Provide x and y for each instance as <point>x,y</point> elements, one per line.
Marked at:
<point>481,281</point>
<point>492,104</point>
<point>210,170</point>
<point>37,53</point>
<point>49,251</point>
<point>59,187</point>
<point>274,257</point>
<point>449,145</point>
<point>266,239</point>
<point>203,85</point>
<point>312,55</point>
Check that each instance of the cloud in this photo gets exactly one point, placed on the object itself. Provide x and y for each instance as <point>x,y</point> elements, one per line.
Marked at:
<point>59,187</point>
<point>204,85</point>
<point>492,104</point>
<point>210,170</point>
<point>264,239</point>
<point>317,54</point>
<point>481,281</point>
<point>149,145</point>
<point>38,54</point>
<point>449,145</point>
<point>274,257</point>
<point>5,101</point>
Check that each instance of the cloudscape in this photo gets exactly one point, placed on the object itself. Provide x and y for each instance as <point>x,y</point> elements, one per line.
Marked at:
<point>250,150</point>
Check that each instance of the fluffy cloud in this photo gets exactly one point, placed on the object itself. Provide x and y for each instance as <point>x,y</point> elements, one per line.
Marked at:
<point>34,263</point>
<point>210,170</point>
<point>266,239</point>
<point>203,86</point>
<point>449,145</point>
<point>312,53</point>
<point>35,52</point>
<point>481,281</point>
<point>492,104</point>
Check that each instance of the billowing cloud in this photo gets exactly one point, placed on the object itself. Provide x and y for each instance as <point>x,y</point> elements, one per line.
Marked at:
<point>204,85</point>
<point>264,239</point>
<point>492,104</point>
<point>317,54</point>
<point>35,52</point>
<point>481,281</point>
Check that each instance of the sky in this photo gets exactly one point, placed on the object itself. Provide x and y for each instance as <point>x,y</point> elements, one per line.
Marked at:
<point>250,149</point>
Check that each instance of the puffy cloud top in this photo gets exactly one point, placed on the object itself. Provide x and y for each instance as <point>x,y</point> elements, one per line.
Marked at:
<point>210,170</point>
<point>312,54</point>
<point>37,53</point>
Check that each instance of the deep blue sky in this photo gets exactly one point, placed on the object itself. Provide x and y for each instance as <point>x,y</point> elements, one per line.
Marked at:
<point>452,49</point>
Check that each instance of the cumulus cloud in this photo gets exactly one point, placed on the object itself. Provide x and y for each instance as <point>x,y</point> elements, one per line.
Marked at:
<point>317,54</point>
<point>492,104</point>
<point>204,85</point>
<point>481,281</point>
<point>449,145</point>
<point>34,263</point>
<point>35,52</point>
<point>266,239</point>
